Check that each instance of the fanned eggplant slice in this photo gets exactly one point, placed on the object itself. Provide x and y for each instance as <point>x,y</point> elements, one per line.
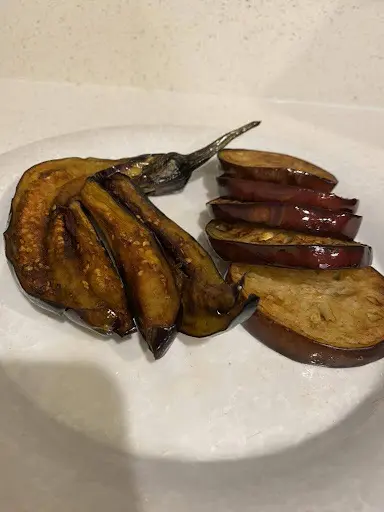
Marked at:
<point>68,280</point>
<point>248,190</point>
<point>275,167</point>
<point>97,267</point>
<point>317,221</point>
<point>36,195</point>
<point>148,278</point>
<point>245,243</point>
<point>209,304</point>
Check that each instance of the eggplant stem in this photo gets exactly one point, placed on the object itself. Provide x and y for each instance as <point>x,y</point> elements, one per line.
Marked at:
<point>199,157</point>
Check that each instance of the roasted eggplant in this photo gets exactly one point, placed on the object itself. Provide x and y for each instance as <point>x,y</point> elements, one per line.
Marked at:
<point>255,191</point>
<point>98,269</point>
<point>209,305</point>
<point>338,321</point>
<point>148,278</point>
<point>317,221</point>
<point>35,197</point>
<point>69,282</point>
<point>275,167</point>
<point>245,243</point>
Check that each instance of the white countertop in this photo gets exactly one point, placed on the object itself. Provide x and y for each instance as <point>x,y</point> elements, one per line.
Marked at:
<point>30,111</point>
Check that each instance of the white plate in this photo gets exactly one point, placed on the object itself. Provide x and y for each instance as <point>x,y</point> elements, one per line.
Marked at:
<point>224,424</point>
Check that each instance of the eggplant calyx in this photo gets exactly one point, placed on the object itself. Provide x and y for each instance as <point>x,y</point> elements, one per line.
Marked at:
<point>170,172</point>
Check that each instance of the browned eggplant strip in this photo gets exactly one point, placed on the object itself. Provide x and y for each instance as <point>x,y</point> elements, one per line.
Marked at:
<point>247,190</point>
<point>68,280</point>
<point>275,167</point>
<point>209,304</point>
<point>147,275</point>
<point>318,221</point>
<point>98,269</point>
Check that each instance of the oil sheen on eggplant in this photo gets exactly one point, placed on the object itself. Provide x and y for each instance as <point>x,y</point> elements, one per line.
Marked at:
<point>98,269</point>
<point>339,224</point>
<point>148,278</point>
<point>68,281</point>
<point>209,304</point>
<point>245,243</point>
<point>248,190</point>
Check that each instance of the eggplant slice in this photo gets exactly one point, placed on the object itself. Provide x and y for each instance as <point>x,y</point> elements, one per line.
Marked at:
<point>276,168</point>
<point>209,304</point>
<point>256,191</point>
<point>68,281</point>
<point>316,221</point>
<point>338,321</point>
<point>97,267</point>
<point>148,278</point>
<point>244,243</point>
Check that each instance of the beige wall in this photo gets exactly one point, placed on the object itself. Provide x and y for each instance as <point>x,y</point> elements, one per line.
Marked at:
<point>314,50</point>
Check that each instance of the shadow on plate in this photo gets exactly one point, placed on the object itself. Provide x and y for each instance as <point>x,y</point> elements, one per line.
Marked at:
<point>51,465</point>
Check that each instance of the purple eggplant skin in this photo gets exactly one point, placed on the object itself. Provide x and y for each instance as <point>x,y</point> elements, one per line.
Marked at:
<point>256,191</point>
<point>295,256</point>
<point>276,168</point>
<point>290,249</point>
<point>317,221</point>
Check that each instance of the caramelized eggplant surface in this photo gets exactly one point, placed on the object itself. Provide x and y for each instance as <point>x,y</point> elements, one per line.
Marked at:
<point>338,321</point>
<point>146,273</point>
<point>98,269</point>
<point>209,305</point>
<point>68,280</point>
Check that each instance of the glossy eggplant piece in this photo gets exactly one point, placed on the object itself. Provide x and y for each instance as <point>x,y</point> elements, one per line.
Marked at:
<point>275,167</point>
<point>97,267</point>
<point>68,281</point>
<point>338,321</point>
<point>209,305</point>
<point>317,221</point>
<point>245,243</point>
<point>36,195</point>
<point>161,174</point>
<point>255,191</point>
<point>148,278</point>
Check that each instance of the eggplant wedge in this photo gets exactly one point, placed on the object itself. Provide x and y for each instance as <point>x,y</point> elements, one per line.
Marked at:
<point>148,278</point>
<point>98,269</point>
<point>255,245</point>
<point>209,304</point>
<point>338,321</point>
<point>316,221</point>
<point>36,195</point>
<point>68,281</point>
<point>255,191</point>
<point>276,168</point>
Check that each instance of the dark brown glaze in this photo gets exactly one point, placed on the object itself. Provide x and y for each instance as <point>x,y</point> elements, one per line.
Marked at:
<point>299,348</point>
<point>208,304</point>
<point>340,224</point>
<point>247,190</point>
<point>275,167</point>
